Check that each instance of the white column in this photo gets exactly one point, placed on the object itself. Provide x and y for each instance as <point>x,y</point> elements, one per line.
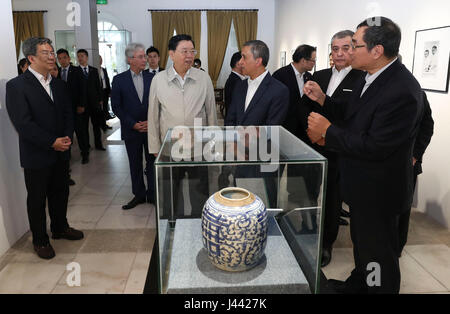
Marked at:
<point>86,34</point>
<point>13,214</point>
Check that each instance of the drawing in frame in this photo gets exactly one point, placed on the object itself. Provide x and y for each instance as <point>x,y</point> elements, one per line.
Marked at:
<point>283,58</point>
<point>431,63</point>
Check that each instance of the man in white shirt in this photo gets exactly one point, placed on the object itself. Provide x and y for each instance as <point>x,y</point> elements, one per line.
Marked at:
<point>41,112</point>
<point>153,60</point>
<point>338,82</point>
<point>374,134</point>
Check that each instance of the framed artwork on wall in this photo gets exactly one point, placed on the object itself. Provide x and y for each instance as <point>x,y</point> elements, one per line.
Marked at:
<point>431,62</point>
<point>283,58</point>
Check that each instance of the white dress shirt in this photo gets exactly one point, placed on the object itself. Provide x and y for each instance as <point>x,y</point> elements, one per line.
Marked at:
<point>372,77</point>
<point>300,80</point>
<point>336,78</point>
<point>179,78</point>
<point>253,87</point>
<point>44,82</point>
<point>150,70</point>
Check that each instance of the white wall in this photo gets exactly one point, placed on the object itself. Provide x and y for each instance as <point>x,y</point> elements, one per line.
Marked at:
<point>133,15</point>
<point>13,215</point>
<point>315,21</point>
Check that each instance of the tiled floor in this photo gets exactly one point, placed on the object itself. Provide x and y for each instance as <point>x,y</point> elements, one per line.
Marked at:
<point>116,250</point>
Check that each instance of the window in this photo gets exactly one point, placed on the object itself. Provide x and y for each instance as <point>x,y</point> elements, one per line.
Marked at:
<point>232,47</point>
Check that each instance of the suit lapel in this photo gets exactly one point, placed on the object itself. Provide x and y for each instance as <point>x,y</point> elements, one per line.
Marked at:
<point>325,81</point>
<point>359,102</point>
<point>241,105</point>
<point>259,93</point>
<point>293,80</point>
<point>34,82</point>
<point>146,79</point>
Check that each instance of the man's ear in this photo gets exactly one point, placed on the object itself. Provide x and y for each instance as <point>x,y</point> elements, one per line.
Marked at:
<point>377,51</point>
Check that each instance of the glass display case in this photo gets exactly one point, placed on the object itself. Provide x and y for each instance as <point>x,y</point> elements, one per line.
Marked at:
<point>266,164</point>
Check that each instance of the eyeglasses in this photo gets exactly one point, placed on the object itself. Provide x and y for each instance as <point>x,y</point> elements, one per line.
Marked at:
<point>312,60</point>
<point>186,52</point>
<point>48,53</point>
<point>357,46</point>
<point>140,57</point>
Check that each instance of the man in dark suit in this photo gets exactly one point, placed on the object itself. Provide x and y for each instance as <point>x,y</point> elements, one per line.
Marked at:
<point>106,92</point>
<point>374,138</point>
<point>258,100</point>
<point>92,106</point>
<point>423,139</point>
<point>73,77</point>
<point>294,76</point>
<point>41,112</point>
<point>153,61</point>
<point>129,99</point>
<point>235,76</point>
<point>338,82</point>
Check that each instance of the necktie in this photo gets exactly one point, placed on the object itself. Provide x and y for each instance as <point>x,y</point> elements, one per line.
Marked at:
<point>154,71</point>
<point>64,75</point>
<point>85,72</point>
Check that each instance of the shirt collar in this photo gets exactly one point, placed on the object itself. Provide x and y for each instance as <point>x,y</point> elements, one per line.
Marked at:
<point>242,77</point>
<point>296,71</point>
<point>372,77</point>
<point>133,74</point>
<point>40,77</point>
<point>259,79</point>
<point>191,73</point>
<point>343,71</point>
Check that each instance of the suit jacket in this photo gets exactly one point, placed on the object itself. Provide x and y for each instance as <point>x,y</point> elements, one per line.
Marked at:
<point>229,87</point>
<point>375,140</point>
<point>286,75</point>
<point>38,119</point>
<point>424,135</point>
<point>74,85</point>
<point>92,89</point>
<point>148,70</point>
<point>340,95</point>
<point>268,106</point>
<point>126,104</point>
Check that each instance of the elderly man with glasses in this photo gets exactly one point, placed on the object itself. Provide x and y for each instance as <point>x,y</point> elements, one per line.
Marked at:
<point>41,112</point>
<point>179,95</point>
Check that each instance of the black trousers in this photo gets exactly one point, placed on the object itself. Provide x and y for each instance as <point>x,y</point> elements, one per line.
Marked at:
<point>105,106</point>
<point>403,223</point>
<point>172,196</point>
<point>47,185</point>
<point>136,149</point>
<point>82,129</point>
<point>374,233</point>
<point>332,209</point>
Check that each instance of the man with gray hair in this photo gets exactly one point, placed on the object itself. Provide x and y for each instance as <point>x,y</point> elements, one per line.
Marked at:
<point>129,100</point>
<point>41,111</point>
<point>338,82</point>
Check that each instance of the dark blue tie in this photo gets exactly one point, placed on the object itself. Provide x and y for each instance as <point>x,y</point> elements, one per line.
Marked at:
<point>85,72</point>
<point>64,75</point>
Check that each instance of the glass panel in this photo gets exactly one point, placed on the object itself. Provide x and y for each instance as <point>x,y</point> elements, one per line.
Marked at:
<point>292,190</point>
<point>66,40</point>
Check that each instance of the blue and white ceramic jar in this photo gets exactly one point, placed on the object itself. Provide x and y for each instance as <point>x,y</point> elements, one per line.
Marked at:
<point>234,228</point>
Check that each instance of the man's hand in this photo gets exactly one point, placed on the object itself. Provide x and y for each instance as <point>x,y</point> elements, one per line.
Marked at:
<point>314,92</point>
<point>141,126</point>
<point>317,128</point>
<point>62,144</point>
<point>80,110</point>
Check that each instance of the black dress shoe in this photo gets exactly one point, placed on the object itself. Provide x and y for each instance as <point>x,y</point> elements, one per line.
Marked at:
<point>84,160</point>
<point>337,285</point>
<point>133,203</point>
<point>326,256</point>
<point>71,182</point>
<point>150,200</point>
<point>68,234</point>
<point>343,222</point>
<point>45,251</point>
<point>345,213</point>
<point>100,148</point>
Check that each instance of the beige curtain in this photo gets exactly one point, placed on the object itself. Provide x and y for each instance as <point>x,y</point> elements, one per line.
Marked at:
<point>184,22</point>
<point>219,24</point>
<point>26,25</point>
<point>245,26</point>
<point>162,29</point>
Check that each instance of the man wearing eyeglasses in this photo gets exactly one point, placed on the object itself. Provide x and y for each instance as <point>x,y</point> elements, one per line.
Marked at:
<point>129,99</point>
<point>179,95</point>
<point>338,82</point>
<point>374,134</point>
<point>41,111</point>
